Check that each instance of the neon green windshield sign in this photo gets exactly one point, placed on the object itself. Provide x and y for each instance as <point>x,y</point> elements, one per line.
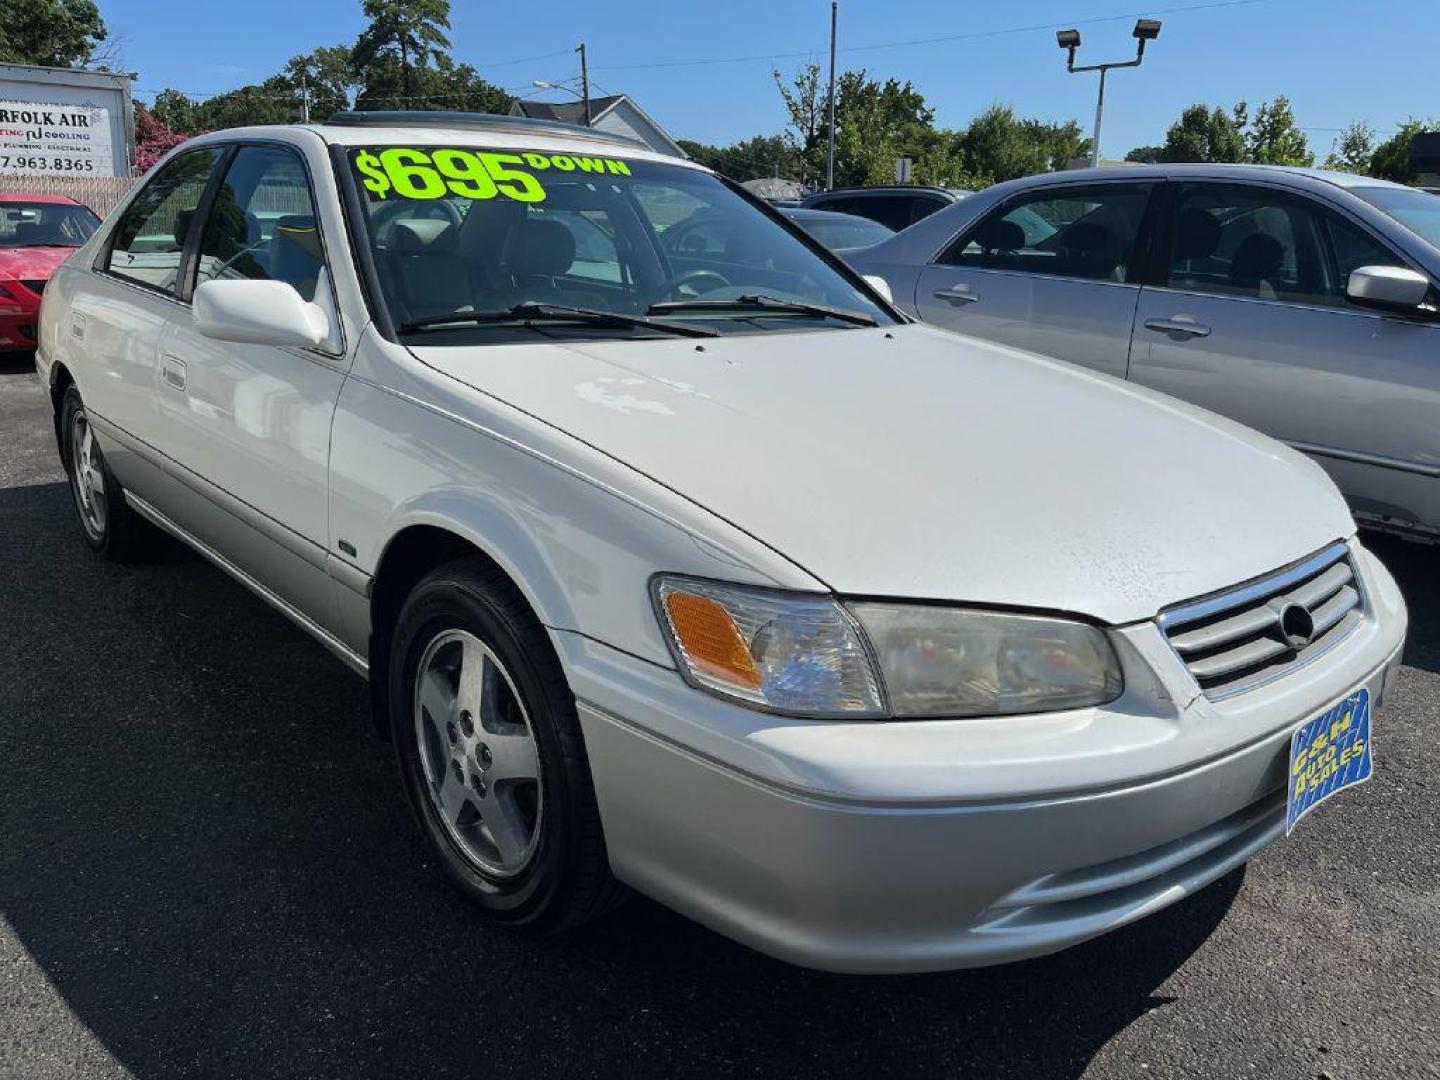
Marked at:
<point>405,172</point>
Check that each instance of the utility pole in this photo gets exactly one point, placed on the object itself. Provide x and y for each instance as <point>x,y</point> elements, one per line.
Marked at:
<point>584,82</point>
<point>304,96</point>
<point>830,157</point>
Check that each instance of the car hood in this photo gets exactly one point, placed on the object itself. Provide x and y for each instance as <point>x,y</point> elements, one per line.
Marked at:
<point>32,263</point>
<point>911,462</point>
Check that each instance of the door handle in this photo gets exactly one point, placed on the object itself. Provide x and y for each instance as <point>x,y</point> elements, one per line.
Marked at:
<point>172,372</point>
<point>956,294</point>
<point>1181,325</point>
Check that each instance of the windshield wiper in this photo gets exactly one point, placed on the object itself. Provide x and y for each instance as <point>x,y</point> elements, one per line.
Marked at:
<point>530,312</point>
<point>766,304</point>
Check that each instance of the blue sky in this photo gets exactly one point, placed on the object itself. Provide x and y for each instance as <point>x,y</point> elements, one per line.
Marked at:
<point>1338,61</point>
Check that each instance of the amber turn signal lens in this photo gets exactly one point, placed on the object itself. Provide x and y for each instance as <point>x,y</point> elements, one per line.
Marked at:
<point>711,641</point>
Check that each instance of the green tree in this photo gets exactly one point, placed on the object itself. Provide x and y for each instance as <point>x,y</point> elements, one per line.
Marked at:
<point>1353,148</point>
<point>403,36</point>
<point>749,159</point>
<point>329,75</point>
<point>999,145</point>
<point>1391,160</point>
<point>175,111</point>
<point>1206,134</point>
<point>806,104</point>
<point>1146,155</point>
<point>51,33</point>
<point>1274,139</point>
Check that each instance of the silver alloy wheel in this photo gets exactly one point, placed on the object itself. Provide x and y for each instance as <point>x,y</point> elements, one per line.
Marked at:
<point>478,753</point>
<point>87,476</point>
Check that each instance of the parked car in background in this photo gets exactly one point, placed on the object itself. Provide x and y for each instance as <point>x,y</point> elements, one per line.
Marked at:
<point>1302,303</point>
<point>702,569</point>
<point>894,207</point>
<point>838,232</point>
<point>37,233</point>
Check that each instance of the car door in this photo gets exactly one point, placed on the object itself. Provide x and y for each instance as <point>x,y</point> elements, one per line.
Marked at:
<point>1051,270</point>
<point>1251,320</point>
<point>247,427</point>
<point>119,312</point>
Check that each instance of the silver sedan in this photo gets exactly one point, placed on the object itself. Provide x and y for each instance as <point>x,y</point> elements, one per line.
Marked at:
<point>1299,302</point>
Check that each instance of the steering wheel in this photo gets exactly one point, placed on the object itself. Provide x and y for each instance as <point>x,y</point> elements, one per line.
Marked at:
<point>385,216</point>
<point>693,278</point>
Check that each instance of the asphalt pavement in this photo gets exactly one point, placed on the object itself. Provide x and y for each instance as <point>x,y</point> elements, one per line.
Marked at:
<point>207,870</point>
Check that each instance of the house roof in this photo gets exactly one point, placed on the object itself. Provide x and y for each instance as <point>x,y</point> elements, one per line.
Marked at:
<point>569,112</point>
<point>573,112</point>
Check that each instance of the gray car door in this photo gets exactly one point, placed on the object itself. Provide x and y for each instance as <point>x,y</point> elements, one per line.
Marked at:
<point>1049,270</point>
<point>1251,320</point>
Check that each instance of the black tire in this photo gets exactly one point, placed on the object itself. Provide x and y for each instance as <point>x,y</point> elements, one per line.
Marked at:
<point>121,535</point>
<point>566,881</point>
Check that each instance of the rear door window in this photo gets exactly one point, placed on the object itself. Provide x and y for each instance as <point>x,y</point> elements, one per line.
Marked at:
<point>1087,233</point>
<point>149,239</point>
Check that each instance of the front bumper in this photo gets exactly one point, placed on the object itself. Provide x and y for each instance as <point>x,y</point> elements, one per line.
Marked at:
<point>917,846</point>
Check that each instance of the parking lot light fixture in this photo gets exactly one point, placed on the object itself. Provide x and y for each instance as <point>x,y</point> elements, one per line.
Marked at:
<point>1069,40</point>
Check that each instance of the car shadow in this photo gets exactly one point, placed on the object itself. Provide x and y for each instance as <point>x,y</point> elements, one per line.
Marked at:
<point>206,853</point>
<point>17,362</point>
<point>1416,568</point>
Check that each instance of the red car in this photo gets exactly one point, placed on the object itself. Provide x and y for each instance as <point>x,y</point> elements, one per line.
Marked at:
<point>37,233</point>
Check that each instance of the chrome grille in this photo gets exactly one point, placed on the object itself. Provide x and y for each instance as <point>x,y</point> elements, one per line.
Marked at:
<point>1248,635</point>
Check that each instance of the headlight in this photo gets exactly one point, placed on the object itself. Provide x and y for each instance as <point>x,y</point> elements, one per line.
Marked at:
<point>944,661</point>
<point>790,652</point>
<point>808,655</point>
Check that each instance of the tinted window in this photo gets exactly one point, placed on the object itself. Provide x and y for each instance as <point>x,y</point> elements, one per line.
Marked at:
<point>262,223</point>
<point>1266,244</point>
<point>922,206</point>
<point>1353,248</point>
<point>1418,211</point>
<point>1072,232</point>
<point>151,233</point>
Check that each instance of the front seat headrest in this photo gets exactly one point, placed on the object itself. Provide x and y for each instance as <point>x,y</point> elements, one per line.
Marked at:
<point>425,237</point>
<point>549,249</point>
<point>1002,235</point>
<point>1258,256</point>
<point>1197,234</point>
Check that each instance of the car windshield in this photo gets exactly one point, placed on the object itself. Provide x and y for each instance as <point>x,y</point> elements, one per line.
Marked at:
<point>477,244</point>
<point>1418,211</point>
<point>844,230</point>
<point>45,224</point>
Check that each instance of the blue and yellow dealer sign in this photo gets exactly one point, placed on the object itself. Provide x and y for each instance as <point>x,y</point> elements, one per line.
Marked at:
<point>1329,754</point>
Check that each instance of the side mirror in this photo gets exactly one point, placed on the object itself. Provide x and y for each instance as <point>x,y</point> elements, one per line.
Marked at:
<point>1391,288</point>
<point>259,313</point>
<point>880,285</point>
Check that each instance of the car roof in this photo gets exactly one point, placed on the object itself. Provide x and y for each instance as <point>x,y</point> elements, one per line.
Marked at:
<point>37,197</point>
<point>488,130</point>
<point>1304,177</point>
<point>883,189</point>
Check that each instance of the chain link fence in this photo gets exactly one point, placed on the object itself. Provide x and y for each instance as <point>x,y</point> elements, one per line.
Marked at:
<point>101,193</point>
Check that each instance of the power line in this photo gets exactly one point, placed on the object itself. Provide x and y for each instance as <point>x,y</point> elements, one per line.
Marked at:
<point>975,35</point>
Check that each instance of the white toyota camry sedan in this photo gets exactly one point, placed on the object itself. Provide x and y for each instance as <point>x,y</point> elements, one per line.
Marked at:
<point>676,557</point>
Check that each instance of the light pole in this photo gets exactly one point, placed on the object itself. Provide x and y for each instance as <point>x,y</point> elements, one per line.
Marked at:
<point>830,125</point>
<point>1069,40</point>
